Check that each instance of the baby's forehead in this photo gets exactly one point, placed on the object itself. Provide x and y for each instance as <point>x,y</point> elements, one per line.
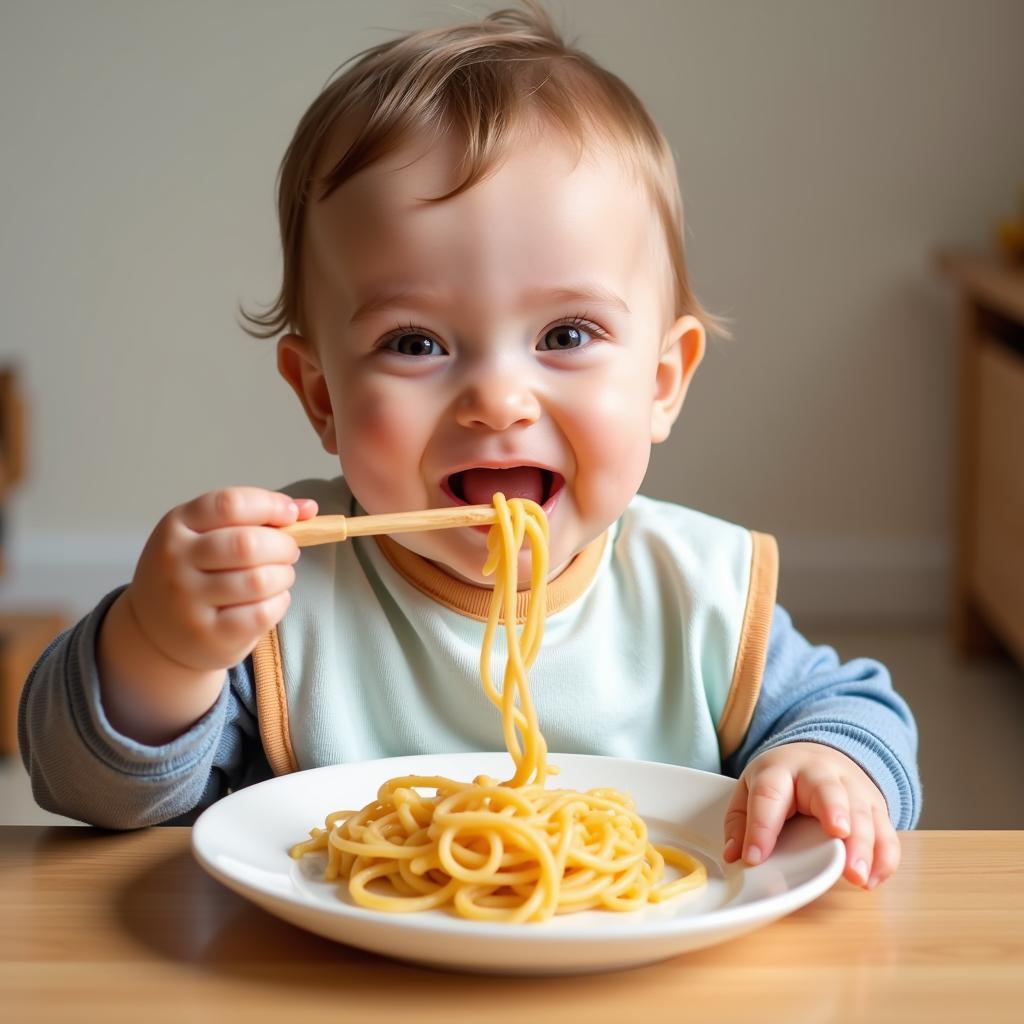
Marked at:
<point>547,211</point>
<point>439,162</point>
<point>534,194</point>
<point>547,183</point>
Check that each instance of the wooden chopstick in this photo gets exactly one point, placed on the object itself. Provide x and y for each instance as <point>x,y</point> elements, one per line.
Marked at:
<point>330,529</point>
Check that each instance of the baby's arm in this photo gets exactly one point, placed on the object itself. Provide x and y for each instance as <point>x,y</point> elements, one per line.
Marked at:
<point>105,747</point>
<point>830,740</point>
<point>213,578</point>
<point>80,766</point>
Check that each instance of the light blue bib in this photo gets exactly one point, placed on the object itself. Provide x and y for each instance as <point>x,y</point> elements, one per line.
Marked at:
<point>658,657</point>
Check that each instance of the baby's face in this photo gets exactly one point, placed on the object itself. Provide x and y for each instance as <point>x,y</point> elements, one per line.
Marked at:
<point>518,338</point>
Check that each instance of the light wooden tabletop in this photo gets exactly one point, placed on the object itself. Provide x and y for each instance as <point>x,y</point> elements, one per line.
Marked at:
<point>127,927</point>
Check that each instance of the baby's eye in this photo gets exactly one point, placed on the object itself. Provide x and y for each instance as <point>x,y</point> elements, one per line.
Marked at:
<point>413,343</point>
<point>576,334</point>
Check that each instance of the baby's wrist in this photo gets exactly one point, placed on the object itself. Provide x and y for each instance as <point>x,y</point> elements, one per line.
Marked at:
<point>147,695</point>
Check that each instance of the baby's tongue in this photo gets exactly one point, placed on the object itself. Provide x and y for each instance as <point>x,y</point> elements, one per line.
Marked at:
<point>479,485</point>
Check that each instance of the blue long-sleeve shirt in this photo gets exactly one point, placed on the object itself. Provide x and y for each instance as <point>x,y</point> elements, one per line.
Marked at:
<point>82,768</point>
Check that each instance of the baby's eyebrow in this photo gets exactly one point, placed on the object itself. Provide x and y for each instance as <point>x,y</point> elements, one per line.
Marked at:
<point>591,293</point>
<point>391,298</point>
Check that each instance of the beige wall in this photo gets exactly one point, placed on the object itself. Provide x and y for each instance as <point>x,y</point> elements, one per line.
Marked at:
<point>825,149</point>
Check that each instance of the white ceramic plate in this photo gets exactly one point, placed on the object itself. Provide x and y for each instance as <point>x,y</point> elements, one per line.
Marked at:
<point>243,841</point>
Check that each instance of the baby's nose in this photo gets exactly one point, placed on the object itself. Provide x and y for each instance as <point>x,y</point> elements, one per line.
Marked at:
<point>497,402</point>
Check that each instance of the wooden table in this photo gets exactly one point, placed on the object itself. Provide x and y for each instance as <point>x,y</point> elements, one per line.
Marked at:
<point>114,927</point>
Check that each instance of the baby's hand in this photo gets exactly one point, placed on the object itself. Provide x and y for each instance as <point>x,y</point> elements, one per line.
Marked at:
<point>215,575</point>
<point>812,779</point>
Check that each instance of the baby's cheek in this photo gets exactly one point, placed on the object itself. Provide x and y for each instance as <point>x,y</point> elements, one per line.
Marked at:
<point>379,440</point>
<point>618,477</point>
<point>613,447</point>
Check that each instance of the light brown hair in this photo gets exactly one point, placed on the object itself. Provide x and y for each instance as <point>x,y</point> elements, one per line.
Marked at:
<point>488,81</point>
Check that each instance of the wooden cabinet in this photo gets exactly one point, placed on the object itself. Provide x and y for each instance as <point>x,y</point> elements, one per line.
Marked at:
<point>24,633</point>
<point>988,592</point>
<point>23,637</point>
<point>997,568</point>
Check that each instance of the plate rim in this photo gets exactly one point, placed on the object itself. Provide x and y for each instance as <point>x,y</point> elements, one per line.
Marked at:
<point>763,909</point>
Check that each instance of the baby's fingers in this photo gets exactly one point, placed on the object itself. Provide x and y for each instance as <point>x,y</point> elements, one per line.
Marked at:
<point>239,506</point>
<point>247,622</point>
<point>225,589</point>
<point>736,822</point>
<point>829,803</point>
<point>242,547</point>
<point>860,847</point>
<point>769,804</point>
<point>887,849</point>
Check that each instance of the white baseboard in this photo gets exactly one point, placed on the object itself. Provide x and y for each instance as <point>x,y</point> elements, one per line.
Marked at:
<point>821,579</point>
<point>69,572</point>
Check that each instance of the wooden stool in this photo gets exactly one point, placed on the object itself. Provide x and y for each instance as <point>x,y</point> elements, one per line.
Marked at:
<point>23,637</point>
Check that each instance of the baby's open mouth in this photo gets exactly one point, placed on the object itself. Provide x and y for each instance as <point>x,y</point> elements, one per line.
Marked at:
<point>478,486</point>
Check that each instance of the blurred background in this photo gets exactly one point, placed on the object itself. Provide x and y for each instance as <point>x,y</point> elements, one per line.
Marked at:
<point>844,167</point>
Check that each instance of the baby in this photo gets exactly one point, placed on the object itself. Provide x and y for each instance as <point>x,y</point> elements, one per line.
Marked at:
<point>484,289</point>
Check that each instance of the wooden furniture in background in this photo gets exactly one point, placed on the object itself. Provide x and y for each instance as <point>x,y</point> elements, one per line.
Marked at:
<point>988,591</point>
<point>23,637</point>
<point>126,927</point>
<point>24,633</point>
<point>12,441</point>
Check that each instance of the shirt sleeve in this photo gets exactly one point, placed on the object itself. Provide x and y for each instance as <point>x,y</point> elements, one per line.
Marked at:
<point>81,767</point>
<point>807,694</point>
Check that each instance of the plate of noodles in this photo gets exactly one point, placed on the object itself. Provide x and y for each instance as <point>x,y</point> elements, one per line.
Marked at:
<point>246,841</point>
<point>577,863</point>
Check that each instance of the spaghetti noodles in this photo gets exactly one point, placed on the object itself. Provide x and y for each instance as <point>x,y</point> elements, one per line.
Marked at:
<point>511,851</point>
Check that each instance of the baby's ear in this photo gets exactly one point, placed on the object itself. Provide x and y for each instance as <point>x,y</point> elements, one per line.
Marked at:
<point>681,353</point>
<point>299,364</point>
